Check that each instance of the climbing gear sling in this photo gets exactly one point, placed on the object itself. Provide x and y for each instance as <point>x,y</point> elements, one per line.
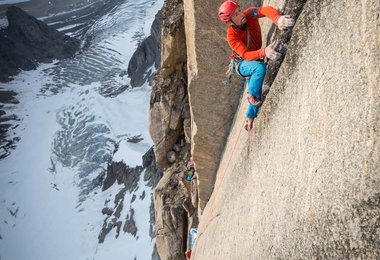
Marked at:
<point>235,60</point>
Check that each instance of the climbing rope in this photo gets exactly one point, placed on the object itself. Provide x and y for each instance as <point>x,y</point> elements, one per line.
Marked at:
<point>221,181</point>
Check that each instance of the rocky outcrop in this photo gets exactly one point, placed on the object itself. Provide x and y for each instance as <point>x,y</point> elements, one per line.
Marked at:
<point>171,132</point>
<point>305,182</point>
<point>171,209</point>
<point>171,223</point>
<point>146,55</point>
<point>152,175</point>
<point>176,208</point>
<point>130,223</point>
<point>27,41</point>
<point>7,143</point>
<point>128,177</point>
<point>169,102</point>
<point>167,114</point>
<point>122,173</point>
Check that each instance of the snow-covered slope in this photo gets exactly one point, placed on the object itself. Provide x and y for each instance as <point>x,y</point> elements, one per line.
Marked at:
<point>73,114</point>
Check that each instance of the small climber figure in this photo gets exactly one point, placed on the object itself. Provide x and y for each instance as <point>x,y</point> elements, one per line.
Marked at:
<point>244,37</point>
<point>190,169</point>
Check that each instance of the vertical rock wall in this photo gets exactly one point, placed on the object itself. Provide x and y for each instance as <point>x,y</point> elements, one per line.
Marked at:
<point>305,184</point>
<point>213,101</point>
<point>175,209</point>
<point>170,216</point>
<point>169,102</point>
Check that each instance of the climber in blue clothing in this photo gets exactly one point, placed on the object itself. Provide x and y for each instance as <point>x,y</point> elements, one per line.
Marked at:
<point>244,38</point>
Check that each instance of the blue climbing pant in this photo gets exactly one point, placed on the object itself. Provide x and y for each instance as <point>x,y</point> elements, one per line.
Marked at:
<point>256,71</point>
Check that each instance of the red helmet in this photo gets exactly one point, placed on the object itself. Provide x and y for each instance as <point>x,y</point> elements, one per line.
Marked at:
<point>227,9</point>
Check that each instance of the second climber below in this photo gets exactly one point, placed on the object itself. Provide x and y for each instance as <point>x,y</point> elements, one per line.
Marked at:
<point>244,37</point>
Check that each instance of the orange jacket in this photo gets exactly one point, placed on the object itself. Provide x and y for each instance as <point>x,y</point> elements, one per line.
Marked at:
<point>237,39</point>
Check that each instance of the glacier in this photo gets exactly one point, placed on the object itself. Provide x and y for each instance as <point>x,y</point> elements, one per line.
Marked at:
<point>73,118</point>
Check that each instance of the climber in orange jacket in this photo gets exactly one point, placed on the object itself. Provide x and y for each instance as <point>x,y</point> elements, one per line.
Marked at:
<point>244,37</point>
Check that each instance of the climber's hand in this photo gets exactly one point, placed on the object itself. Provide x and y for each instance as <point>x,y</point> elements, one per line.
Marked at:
<point>271,54</point>
<point>285,21</point>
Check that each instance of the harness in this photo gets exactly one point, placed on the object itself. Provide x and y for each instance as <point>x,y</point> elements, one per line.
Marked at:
<point>235,60</point>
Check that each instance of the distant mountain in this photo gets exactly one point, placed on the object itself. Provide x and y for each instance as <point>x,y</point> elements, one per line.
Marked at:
<point>148,53</point>
<point>26,41</point>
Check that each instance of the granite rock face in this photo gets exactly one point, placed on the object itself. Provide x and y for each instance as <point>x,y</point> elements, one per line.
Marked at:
<point>170,131</point>
<point>27,41</point>
<point>171,222</point>
<point>169,100</point>
<point>176,208</point>
<point>146,55</point>
<point>306,182</point>
<point>213,101</point>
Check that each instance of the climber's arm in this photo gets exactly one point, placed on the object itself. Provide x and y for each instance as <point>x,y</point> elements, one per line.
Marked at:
<point>267,11</point>
<point>282,21</point>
